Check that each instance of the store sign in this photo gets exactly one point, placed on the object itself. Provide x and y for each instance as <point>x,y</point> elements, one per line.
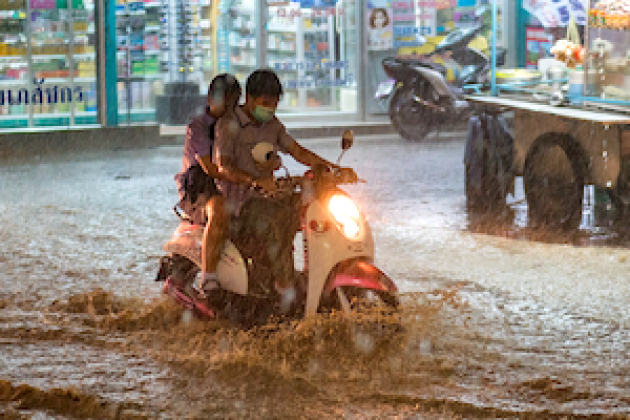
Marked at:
<point>40,95</point>
<point>43,4</point>
<point>420,14</point>
<point>319,82</point>
<point>292,13</point>
<point>322,82</point>
<point>311,65</point>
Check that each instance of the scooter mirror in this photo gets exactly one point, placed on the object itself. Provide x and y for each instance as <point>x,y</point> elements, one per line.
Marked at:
<point>347,140</point>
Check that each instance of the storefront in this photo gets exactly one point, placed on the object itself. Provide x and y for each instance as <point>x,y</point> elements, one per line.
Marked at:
<point>57,56</point>
<point>47,63</point>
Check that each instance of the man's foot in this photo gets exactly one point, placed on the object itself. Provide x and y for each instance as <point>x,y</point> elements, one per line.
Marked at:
<point>205,282</point>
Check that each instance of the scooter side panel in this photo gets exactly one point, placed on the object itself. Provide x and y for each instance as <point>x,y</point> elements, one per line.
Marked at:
<point>326,249</point>
<point>232,270</point>
<point>186,241</point>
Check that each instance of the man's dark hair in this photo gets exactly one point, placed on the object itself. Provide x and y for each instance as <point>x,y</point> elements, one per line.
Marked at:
<point>263,82</point>
<point>225,86</point>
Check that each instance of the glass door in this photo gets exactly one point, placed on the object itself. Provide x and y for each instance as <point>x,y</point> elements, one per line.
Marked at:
<point>14,70</point>
<point>137,56</point>
<point>308,46</point>
<point>237,41</point>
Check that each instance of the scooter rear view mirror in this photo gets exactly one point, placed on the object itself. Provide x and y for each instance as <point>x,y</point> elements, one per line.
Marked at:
<point>347,140</point>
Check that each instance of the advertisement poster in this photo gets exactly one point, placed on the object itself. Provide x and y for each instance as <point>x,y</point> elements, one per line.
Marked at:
<point>537,45</point>
<point>380,28</point>
<point>554,13</point>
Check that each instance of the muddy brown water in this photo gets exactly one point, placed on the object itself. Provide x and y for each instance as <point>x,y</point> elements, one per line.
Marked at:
<point>495,325</point>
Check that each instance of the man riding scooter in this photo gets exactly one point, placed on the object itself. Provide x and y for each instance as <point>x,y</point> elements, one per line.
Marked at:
<point>237,134</point>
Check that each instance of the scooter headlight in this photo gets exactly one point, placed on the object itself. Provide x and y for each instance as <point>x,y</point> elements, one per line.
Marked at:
<point>347,215</point>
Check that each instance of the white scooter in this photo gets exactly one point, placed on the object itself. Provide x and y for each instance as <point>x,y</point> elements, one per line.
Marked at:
<point>338,257</point>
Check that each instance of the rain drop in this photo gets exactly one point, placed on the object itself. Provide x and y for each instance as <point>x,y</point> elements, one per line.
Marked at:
<point>187,317</point>
<point>364,343</point>
<point>425,347</point>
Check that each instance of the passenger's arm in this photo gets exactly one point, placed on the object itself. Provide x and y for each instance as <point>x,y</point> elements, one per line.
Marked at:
<point>208,166</point>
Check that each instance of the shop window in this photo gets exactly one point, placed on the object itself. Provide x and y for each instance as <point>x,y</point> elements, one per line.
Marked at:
<point>412,29</point>
<point>310,46</point>
<point>47,63</point>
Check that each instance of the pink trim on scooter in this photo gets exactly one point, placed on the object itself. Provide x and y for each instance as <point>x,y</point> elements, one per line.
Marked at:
<point>186,300</point>
<point>363,275</point>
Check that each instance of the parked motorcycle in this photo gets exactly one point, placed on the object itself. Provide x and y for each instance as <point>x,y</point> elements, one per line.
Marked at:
<point>420,99</point>
<point>338,254</point>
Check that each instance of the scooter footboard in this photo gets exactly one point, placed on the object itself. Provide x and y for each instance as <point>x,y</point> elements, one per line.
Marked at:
<point>359,273</point>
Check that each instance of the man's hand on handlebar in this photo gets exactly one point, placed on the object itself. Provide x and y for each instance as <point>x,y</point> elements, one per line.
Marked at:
<point>348,175</point>
<point>266,186</point>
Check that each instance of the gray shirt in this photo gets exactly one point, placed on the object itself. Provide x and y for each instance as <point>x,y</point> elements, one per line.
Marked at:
<point>236,136</point>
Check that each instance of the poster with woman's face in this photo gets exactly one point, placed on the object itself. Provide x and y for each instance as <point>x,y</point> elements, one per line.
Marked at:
<point>380,30</point>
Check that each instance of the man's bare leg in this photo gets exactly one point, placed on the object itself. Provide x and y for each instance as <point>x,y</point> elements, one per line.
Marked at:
<point>214,234</point>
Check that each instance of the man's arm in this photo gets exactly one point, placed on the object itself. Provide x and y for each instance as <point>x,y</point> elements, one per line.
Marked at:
<point>306,157</point>
<point>301,154</point>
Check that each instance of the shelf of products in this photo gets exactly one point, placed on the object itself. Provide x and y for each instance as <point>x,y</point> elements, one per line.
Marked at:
<point>236,38</point>
<point>301,48</point>
<point>47,62</point>
<point>185,38</point>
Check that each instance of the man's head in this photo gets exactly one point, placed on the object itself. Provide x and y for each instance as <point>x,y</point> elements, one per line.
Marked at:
<point>223,94</point>
<point>262,93</point>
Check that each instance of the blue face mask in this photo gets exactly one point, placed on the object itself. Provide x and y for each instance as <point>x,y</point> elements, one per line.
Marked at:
<point>263,113</point>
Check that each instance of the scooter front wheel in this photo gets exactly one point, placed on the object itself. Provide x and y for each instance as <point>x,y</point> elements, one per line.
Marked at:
<point>349,299</point>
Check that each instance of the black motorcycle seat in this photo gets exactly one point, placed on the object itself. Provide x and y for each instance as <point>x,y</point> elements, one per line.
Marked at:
<point>421,62</point>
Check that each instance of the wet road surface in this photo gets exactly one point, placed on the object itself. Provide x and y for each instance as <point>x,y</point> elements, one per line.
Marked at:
<point>496,325</point>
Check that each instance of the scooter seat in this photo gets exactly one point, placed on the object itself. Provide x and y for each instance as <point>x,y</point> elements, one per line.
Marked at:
<point>423,62</point>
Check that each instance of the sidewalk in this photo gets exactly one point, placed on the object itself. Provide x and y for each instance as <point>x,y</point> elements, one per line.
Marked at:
<point>310,130</point>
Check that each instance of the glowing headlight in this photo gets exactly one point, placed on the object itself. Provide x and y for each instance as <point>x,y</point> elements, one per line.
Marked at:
<point>347,215</point>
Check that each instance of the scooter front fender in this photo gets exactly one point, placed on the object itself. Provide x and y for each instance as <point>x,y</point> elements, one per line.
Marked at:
<point>187,241</point>
<point>361,274</point>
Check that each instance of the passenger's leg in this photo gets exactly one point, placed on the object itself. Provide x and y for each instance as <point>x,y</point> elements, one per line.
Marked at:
<point>213,237</point>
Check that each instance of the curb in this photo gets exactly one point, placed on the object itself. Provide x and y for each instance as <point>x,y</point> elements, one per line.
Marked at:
<point>301,131</point>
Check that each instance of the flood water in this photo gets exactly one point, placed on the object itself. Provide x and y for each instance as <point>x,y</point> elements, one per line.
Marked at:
<point>497,324</point>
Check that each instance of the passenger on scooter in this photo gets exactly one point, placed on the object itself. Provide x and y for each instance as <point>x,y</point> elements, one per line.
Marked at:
<point>199,197</point>
<point>237,134</point>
